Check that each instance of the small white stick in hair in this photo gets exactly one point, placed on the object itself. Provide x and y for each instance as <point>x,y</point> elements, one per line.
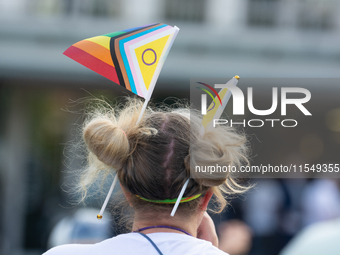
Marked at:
<point>142,111</point>
<point>100,215</point>
<point>172,214</point>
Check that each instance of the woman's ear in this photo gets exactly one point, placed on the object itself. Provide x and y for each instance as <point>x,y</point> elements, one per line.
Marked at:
<point>127,194</point>
<point>205,200</point>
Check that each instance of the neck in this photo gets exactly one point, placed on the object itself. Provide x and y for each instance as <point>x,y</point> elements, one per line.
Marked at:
<point>189,225</point>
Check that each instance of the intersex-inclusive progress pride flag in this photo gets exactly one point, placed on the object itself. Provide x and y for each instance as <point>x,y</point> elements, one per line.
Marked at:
<point>132,58</point>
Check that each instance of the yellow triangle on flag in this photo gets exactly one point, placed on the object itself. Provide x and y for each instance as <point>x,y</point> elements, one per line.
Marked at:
<point>148,57</point>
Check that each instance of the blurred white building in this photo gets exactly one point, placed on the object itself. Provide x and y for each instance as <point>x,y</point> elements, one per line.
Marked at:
<point>218,38</point>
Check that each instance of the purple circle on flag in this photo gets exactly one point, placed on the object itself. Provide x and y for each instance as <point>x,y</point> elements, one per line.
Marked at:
<point>149,64</point>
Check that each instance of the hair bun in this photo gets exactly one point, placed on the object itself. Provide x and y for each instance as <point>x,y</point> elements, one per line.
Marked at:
<point>107,141</point>
<point>212,154</point>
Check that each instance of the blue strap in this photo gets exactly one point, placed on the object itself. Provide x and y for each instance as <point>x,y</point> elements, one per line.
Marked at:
<point>153,244</point>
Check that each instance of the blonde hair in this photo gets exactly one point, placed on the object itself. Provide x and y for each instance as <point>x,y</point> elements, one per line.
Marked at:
<point>154,158</point>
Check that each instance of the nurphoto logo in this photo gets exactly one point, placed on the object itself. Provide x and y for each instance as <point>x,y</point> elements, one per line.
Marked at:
<point>239,104</point>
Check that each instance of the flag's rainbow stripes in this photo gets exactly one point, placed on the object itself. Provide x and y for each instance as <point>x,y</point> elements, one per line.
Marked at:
<point>131,58</point>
